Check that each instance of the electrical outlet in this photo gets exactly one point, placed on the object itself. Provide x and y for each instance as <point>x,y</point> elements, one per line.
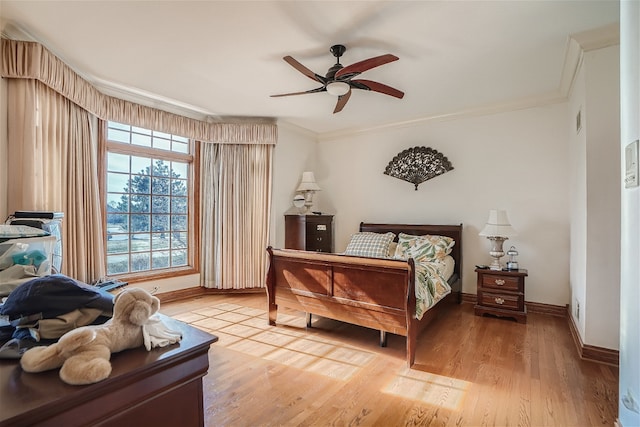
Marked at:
<point>577,310</point>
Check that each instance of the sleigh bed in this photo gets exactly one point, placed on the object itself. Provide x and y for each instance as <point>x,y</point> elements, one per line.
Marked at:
<point>378,293</point>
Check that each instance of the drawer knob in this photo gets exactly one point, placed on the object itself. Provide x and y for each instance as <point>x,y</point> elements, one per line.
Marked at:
<point>499,301</point>
<point>499,282</point>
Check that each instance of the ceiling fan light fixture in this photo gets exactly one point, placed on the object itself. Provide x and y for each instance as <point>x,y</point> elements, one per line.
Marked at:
<point>338,88</point>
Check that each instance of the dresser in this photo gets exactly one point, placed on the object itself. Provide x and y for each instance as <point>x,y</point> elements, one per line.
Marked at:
<point>309,232</point>
<point>161,387</point>
<point>501,293</point>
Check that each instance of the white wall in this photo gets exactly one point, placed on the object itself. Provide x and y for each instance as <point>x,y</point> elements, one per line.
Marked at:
<point>629,385</point>
<point>516,161</point>
<point>577,141</point>
<point>595,197</point>
<point>294,154</point>
<point>602,125</point>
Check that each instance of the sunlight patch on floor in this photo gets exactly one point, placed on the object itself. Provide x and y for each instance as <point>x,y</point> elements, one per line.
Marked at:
<point>246,330</point>
<point>429,388</point>
<point>189,317</point>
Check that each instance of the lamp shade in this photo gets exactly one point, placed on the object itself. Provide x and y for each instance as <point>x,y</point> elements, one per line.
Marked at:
<point>498,225</point>
<point>308,182</point>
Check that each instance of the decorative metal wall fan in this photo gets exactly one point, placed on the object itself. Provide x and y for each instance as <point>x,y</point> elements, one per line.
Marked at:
<point>339,80</point>
<point>417,165</point>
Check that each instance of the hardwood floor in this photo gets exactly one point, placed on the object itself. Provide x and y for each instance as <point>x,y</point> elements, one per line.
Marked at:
<point>469,371</point>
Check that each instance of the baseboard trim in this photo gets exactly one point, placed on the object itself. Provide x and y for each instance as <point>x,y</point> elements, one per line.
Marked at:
<point>592,353</point>
<point>468,298</point>
<point>199,291</point>
<point>180,294</point>
<point>532,307</point>
<point>550,309</point>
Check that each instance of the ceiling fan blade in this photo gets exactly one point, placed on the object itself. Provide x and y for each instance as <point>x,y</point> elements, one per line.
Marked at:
<point>376,87</point>
<point>342,101</point>
<point>304,70</point>
<point>320,89</point>
<point>367,64</point>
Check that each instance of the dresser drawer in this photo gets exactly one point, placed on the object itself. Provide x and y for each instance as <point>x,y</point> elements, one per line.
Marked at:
<point>504,301</point>
<point>495,281</point>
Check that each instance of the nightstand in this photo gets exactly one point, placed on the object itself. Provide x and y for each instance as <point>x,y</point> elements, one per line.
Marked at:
<point>309,232</point>
<point>501,293</point>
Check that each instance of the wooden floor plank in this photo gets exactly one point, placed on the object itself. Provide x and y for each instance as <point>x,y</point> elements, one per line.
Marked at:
<point>469,371</point>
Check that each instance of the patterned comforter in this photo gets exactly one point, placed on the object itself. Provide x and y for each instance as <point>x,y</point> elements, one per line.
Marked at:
<point>431,285</point>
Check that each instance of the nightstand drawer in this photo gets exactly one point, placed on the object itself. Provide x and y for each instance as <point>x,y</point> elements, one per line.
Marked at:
<point>501,282</point>
<point>319,243</point>
<point>504,301</point>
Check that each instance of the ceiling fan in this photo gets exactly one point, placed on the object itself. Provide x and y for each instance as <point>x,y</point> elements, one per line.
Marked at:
<point>339,79</point>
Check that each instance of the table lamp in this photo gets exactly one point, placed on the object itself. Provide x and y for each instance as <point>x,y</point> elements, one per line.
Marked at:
<point>308,186</point>
<point>497,230</point>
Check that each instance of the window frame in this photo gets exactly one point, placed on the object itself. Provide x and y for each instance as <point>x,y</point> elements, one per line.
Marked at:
<point>193,204</point>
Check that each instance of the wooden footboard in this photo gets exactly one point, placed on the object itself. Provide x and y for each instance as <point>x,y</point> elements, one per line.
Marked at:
<point>370,292</point>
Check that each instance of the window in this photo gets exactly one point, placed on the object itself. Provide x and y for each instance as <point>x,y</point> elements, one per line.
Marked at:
<point>149,199</point>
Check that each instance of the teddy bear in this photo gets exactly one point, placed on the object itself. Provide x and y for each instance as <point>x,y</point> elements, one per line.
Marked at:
<point>84,353</point>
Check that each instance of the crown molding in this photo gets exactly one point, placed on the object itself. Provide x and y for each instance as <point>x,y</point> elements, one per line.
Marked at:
<point>14,32</point>
<point>578,44</point>
<point>149,99</point>
<point>598,38</point>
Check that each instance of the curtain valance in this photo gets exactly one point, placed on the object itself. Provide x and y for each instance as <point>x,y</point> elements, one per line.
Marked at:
<point>31,60</point>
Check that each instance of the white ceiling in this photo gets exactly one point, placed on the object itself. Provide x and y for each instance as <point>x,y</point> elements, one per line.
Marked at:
<point>224,58</point>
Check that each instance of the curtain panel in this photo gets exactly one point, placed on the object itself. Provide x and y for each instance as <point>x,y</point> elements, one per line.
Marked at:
<point>235,204</point>
<point>52,150</point>
<point>31,60</point>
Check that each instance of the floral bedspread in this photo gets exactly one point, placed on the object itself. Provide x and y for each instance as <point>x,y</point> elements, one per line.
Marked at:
<point>431,286</point>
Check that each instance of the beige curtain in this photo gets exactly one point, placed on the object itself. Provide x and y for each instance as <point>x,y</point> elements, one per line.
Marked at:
<point>235,209</point>
<point>52,150</point>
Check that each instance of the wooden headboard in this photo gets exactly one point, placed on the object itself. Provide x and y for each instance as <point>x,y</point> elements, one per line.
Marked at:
<point>453,231</point>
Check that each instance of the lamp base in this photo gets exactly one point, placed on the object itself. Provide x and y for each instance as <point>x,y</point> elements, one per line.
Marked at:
<point>496,251</point>
<point>308,201</point>
<point>495,264</point>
